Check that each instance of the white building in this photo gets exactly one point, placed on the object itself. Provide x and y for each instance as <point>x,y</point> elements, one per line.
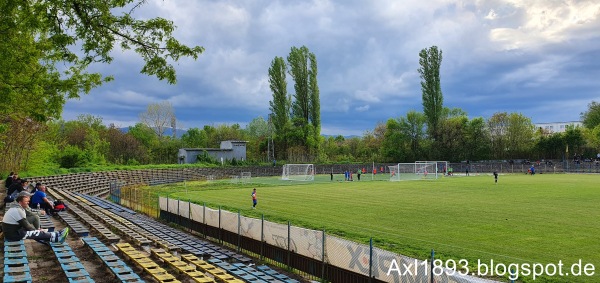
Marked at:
<point>229,150</point>
<point>557,127</point>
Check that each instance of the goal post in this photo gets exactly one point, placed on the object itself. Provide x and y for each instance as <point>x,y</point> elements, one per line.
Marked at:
<point>422,170</point>
<point>394,172</point>
<point>298,172</point>
<point>246,176</point>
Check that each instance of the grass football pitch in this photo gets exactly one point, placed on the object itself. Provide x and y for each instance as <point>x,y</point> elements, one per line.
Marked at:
<point>545,218</point>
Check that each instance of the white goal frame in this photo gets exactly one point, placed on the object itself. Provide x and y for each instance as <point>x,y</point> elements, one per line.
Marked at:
<point>298,172</point>
<point>246,177</point>
<point>420,170</point>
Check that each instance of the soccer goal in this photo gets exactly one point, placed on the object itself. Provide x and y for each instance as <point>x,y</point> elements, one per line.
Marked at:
<point>298,172</point>
<point>422,170</point>
<point>246,177</point>
<point>442,166</point>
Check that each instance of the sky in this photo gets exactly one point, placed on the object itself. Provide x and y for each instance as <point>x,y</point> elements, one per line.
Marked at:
<point>540,58</point>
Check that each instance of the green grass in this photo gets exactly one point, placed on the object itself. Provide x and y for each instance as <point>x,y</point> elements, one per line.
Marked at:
<point>523,219</point>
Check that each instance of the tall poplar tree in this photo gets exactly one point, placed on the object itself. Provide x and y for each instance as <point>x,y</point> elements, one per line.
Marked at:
<point>430,60</point>
<point>280,105</point>
<point>306,108</point>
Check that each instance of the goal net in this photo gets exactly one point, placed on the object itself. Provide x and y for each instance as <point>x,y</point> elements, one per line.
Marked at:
<point>298,172</point>
<point>246,176</point>
<point>442,166</point>
<point>423,170</point>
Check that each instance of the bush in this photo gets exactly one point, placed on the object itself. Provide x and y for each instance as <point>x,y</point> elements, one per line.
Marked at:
<point>72,157</point>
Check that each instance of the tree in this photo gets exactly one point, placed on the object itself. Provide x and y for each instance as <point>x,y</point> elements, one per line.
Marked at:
<point>280,105</point>
<point>573,137</point>
<point>20,139</point>
<point>158,117</point>
<point>124,148</point>
<point>477,141</point>
<point>413,127</point>
<point>520,134</point>
<point>591,117</point>
<point>497,126</point>
<point>511,135</point>
<point>194,138</point>
<point>47,47</point>
<point>452,138</point>
<point>258,127</point>
<point>433,100</point>
<point>144,134</point>
<point>393,145</point>
<point>306,104</point>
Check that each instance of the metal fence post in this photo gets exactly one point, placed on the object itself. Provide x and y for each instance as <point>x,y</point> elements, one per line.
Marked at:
<point>189,215</point>
<point>178,213</point>
<point>239,231</point>
<point>431,265</point>
<point>288,245</point>
<point>371,260</point>
<point>220,239</point>
<point>204,218</point>
<point>262,235</point>
<point>323,279</point>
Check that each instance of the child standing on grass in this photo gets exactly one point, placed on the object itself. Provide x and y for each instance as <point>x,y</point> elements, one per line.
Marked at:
<point>496,177</point>
<point>254,200</point>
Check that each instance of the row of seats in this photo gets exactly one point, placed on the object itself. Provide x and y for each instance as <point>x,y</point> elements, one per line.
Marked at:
<point>16,265</point>
<point>182,267</point>
<point>70,263</point>
<point>263,274</point>
<point>197,247</point>
<point>69,201</point>
<point>176,240</point>
<point>121,270</point>
<point>217,273</point>
<point>76,226</point>
<point>98,183</point>
<point>143,261</point>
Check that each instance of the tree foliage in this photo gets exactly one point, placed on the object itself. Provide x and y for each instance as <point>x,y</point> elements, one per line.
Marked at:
<point>591,117</point>
<point>430,61</point>
<point>306,111</point>
<point>297,120</point>
<point>47,47</point>
<point>280,105</point>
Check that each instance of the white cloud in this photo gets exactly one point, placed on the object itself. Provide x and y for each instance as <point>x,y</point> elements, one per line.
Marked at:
<point>362,108</point>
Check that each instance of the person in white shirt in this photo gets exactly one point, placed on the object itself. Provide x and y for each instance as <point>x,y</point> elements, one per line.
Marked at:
<point>16,227</point>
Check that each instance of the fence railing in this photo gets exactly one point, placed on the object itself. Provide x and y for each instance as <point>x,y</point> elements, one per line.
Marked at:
<point>311,252</point>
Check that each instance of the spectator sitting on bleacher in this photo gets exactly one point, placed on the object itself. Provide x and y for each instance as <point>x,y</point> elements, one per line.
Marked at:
<point>36,188</point>
<point>40,198</point>
<point>15,188</point>
<point>9,179</point>
<point>32,217</point>
<point>16,227</point>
